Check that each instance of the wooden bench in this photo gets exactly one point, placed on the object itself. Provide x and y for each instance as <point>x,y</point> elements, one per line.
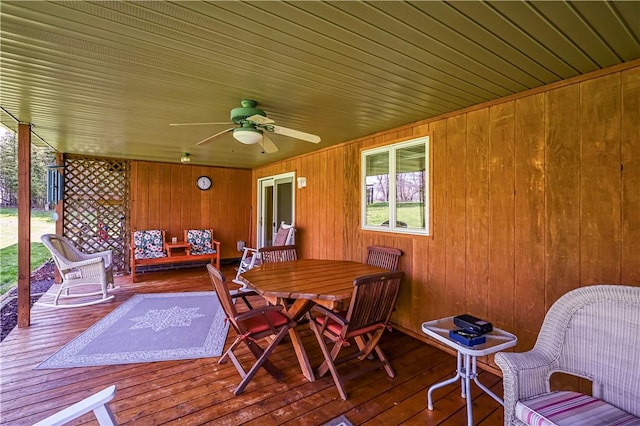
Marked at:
<point>152,250</point>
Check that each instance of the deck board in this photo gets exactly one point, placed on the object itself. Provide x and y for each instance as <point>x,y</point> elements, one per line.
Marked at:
<point>199,392</point>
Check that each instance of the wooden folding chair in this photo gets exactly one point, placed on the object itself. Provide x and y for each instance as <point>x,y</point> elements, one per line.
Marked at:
<point>372,303</point>
<point>384,257</point>
<point>268,322</point>
<point>278,254</point>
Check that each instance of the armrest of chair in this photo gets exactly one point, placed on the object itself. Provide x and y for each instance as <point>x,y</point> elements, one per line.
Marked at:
<point>242,293</point>
<point>248,251</point>
<point>334,316</point>
<point>106,255</point>
<point>96,403</point>
<point>68,264</point>
<point>249,257</point>
<point>93,267</point>
<point>258,311</point>
<point>524,375</point>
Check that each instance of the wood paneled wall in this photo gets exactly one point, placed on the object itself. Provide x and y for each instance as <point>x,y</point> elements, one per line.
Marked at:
<point>165,196</point>
<point>533,195</point>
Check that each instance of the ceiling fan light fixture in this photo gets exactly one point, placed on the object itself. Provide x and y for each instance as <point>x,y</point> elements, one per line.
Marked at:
<point>247,136</point>
<point>185,158</point>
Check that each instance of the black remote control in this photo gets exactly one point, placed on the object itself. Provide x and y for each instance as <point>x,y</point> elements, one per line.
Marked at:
<point>470,322</point>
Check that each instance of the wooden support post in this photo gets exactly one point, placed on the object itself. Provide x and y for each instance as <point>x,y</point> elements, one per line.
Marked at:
<point>59,209</point>
<point>24,224</point>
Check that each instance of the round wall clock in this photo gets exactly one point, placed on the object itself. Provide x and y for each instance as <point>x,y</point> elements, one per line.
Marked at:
<point>204,182</point>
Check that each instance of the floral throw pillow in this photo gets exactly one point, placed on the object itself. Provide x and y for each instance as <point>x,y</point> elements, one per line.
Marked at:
<point>148,244</point>
<point>200,240</point>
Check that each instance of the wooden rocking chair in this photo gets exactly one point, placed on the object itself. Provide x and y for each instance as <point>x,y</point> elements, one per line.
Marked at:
<point>251,256</point>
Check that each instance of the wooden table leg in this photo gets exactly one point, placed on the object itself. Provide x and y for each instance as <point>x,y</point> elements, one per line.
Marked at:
<point>303,359</point>
<point>297,311</point>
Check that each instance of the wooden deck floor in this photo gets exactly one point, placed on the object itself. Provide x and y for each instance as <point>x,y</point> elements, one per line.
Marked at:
<point>197,392</point>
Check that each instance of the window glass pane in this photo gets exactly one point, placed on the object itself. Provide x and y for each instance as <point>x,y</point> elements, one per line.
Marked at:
<point>410,187</point>
<point>377,187</point>
<point>395,194</point>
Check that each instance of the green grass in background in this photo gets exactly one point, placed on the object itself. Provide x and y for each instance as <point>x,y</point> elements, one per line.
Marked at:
<point>41,223</point>
<point>9,263</point>
<point>411,213</point>
<point>408,212</point>
<point>377,213</point>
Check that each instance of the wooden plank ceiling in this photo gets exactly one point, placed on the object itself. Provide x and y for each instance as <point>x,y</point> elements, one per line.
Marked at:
<point>107,78</point>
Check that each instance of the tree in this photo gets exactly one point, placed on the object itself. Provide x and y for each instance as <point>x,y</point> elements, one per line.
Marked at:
<point>40,159</point>
<point>8,170</point>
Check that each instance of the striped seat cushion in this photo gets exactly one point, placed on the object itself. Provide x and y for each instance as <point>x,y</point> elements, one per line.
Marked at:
<point>563,408</point>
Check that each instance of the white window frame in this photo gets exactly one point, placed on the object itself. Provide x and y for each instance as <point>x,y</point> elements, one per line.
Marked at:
<point>391,150</point>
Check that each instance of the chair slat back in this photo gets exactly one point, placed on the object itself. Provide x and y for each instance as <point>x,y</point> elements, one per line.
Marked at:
<point>275,254</point>
<point>383,257</point>
<point>218,281</point>
<point>373,300</point>
<point>284,236</point>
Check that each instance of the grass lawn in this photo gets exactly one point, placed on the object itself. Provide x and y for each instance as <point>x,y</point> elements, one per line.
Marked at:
<point>409,212</point>
<point>41,223</point>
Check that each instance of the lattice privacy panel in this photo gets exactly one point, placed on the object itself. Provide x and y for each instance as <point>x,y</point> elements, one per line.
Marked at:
<point>96,206</point>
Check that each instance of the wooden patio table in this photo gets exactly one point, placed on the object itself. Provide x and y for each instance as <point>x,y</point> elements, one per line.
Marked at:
<point>308,282</point>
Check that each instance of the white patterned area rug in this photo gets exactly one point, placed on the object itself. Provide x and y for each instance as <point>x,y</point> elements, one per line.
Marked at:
<point>339,421</point>
<point>149,328</point>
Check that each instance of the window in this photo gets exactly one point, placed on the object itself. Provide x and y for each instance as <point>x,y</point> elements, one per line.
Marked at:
<point>395,192</point>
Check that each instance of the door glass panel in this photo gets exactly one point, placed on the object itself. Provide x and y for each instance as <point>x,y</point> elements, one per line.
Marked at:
<point>268,215</point>
<point>284,201</point>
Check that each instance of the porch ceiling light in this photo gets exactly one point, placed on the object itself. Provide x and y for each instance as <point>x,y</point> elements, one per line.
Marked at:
<point>185,158</point>
<point>247,135</point>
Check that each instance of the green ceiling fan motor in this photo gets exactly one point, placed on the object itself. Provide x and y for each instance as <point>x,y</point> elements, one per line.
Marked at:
<point>248,109</point>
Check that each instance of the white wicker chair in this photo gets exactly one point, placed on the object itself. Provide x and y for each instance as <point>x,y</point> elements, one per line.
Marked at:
<point>591,332</point>
<point>79,269</point>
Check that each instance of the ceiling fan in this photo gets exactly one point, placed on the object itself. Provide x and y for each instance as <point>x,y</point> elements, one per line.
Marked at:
<point>253,128</point>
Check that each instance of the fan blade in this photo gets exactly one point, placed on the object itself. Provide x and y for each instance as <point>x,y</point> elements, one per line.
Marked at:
<point>198,124</point>
<point>267,144</point>
<point>260,119</point>
<point>293,133</point>
<point>214,137</point>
